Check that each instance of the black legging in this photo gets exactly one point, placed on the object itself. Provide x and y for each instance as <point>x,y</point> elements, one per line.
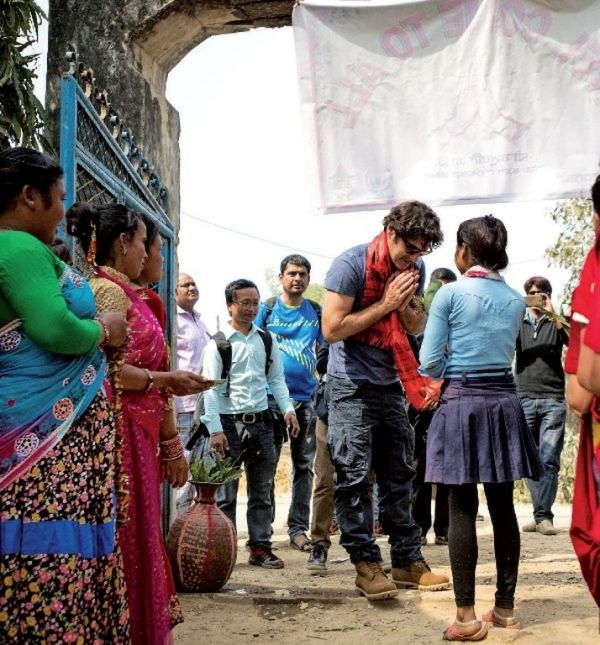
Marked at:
<point>462,541</point>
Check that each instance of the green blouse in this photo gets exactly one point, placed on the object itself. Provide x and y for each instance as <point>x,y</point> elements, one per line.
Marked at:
<point>30,290</point>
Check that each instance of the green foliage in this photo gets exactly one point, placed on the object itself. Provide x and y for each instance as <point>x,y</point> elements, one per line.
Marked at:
<point>216,470</point>
<point>315,292</point>
<point>577,237</point>
<point>22,116</point>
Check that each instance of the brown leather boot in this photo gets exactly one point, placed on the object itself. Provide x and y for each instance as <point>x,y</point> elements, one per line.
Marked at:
<point>372,583</point>
<point>419,576</point>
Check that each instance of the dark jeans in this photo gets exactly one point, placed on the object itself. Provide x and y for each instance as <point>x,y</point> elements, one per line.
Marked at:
<point>546,420</point>
<point>369,429</point>
<point>302,449</point>
<point>253,442</point>
<point>422,490</point>
<point>462,541</point>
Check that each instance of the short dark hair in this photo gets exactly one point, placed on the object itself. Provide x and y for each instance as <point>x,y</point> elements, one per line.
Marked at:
<point>26,167</point>
<point>411,220</point>
<point>109,220</point>
<point>236,285</point>
<point>442,273</point>
<point>296,259</point>
<point>61,250</point>
<point>486,238</point>
<point>596,195</point>
<point>543,284</point>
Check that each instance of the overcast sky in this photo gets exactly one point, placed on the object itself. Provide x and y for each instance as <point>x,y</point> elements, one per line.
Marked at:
<point>245,197</point>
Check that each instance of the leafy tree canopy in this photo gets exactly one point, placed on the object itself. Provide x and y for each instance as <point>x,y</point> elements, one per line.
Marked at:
<point>22,116</point>
<point>577,237</point>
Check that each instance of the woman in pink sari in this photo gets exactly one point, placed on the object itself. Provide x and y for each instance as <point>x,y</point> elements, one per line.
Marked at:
<point>113,239</point>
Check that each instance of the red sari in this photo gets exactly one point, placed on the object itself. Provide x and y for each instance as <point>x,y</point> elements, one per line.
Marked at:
<point>153,605</point>
<point>585,520</point>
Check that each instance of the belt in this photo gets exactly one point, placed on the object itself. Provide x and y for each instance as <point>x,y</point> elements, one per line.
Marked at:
<point>248,417</point>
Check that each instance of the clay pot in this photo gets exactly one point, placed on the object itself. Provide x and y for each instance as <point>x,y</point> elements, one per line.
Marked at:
<point>202,544</point>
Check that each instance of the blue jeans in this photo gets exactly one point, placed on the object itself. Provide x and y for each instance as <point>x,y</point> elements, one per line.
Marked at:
<point>546,420</point>
<point>302,450</point>
<point>251,444</point>
<point>369,429</point>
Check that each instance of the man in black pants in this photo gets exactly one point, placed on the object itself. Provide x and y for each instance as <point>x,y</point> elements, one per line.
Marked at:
<point>420,422</point>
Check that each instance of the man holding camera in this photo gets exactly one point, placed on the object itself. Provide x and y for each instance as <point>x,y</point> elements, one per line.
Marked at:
<point>541,388</point>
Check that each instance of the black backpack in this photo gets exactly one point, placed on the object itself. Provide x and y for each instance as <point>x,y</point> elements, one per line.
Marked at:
<point>224,348</point>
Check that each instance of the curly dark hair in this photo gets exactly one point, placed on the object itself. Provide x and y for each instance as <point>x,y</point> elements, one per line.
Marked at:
<point>415,220</point>
<point>486,238</point>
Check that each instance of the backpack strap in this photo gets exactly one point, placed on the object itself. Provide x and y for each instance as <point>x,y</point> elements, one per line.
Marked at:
<point>267,339</point>
<point>224,349</point>
<point>318,309</point>
<point>270,303</point>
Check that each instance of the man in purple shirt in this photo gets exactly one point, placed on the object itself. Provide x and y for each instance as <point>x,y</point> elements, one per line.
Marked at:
<point>192,337</point>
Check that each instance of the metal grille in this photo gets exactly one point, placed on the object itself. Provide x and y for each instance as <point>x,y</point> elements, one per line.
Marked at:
<point>91,191</point>
<point>90,137</point>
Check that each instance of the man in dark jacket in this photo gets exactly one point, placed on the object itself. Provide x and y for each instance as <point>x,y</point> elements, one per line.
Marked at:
<point>541,387</point>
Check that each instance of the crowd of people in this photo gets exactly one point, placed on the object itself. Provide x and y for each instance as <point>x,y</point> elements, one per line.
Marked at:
<point>388,389</point>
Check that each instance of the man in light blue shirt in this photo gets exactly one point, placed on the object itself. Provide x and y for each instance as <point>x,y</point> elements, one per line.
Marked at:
<point>237,417</point>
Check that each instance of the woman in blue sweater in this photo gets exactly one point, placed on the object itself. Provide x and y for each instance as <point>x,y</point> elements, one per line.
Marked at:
<point>479,433</point>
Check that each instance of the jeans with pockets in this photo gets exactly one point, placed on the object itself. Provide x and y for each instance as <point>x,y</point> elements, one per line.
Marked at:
<point>369,429</point>
<point>302,451</point>
<point>546,420</point>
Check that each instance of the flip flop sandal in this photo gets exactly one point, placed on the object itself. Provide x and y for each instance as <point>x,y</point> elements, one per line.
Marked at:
<point>303,546</point>
<point>452,634</point>
<point>500,621</point>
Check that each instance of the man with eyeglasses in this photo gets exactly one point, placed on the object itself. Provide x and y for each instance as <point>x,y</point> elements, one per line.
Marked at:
<point>368,309</point>
<point>192,337</point>
<point>541,388</point>
<point>237,418</point>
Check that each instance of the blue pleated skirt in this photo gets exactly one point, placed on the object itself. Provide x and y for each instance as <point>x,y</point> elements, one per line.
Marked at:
<point>479,434</point>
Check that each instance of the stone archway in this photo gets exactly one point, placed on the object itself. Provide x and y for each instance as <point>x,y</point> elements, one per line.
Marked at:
<point>132,46</point>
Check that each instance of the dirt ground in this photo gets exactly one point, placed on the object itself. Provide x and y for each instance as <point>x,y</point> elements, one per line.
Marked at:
<point>290,606</point>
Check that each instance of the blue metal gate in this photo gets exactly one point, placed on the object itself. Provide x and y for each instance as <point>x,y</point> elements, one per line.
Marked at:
<point>103,164</point>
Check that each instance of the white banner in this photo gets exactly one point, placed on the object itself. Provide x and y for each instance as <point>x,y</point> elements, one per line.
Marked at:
<point>451,101</point>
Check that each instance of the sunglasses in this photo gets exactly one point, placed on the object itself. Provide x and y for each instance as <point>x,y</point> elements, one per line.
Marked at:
<point>411,249</point>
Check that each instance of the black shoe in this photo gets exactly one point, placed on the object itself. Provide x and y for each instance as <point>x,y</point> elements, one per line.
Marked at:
<point>262,556</point>
<point>317,561</point>
<point>442,540</point>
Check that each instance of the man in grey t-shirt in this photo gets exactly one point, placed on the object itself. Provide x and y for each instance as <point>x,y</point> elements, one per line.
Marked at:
<point>368,424</point>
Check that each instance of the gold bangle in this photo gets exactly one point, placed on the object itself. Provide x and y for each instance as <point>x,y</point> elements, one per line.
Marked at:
<point>150,384</point>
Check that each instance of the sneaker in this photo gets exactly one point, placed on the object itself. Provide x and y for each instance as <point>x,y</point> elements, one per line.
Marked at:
<point>545,527</point>
<point>423,540</point>
<point>262,556</point>
<point>441,540</point>
<point>372,582</point>
<point>317,561</point>
<point>419,576</point>
<point>530,527</point>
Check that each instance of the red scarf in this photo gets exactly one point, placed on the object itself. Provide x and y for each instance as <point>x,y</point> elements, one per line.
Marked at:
<point>388,333</point>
